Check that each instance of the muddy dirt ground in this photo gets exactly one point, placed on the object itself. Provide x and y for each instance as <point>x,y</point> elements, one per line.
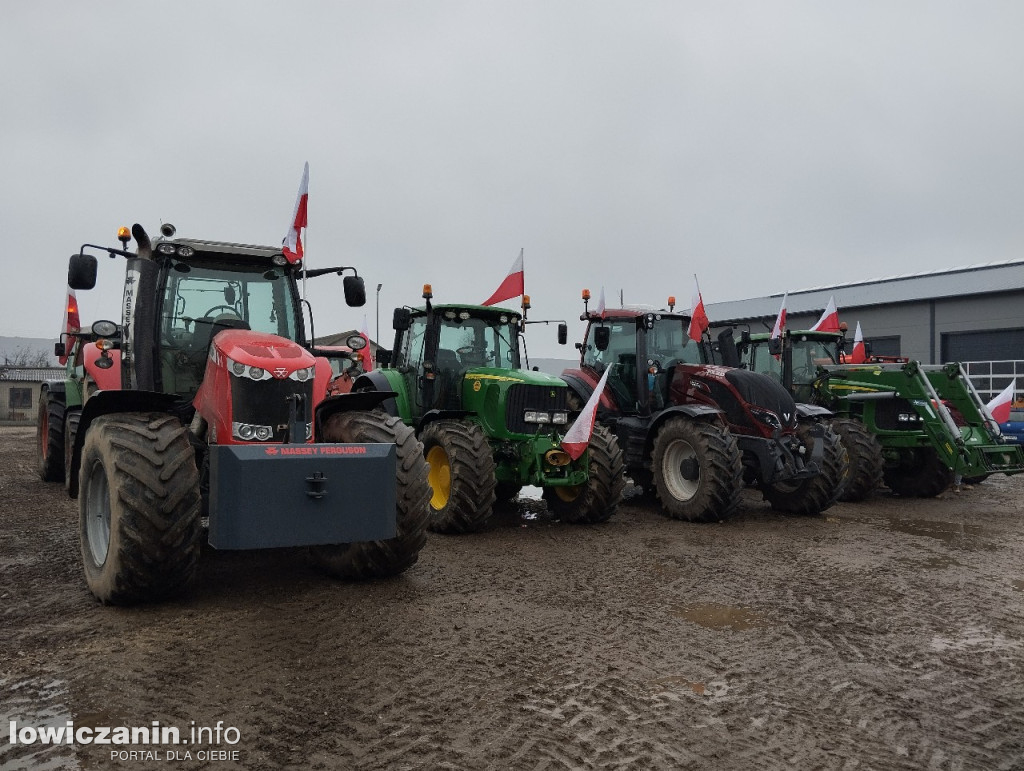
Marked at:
<point>886,634</point>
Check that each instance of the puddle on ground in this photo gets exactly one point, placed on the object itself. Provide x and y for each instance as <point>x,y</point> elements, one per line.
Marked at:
<point>714,616</point>
<point>954,533</point>
<point>36,703</point>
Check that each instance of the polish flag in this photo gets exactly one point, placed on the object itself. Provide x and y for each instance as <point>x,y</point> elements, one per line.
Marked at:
<point>292,243</point>
<point>859,354</point>
<point>1000,406</point>
<point>578,436</point>
<point>600,303</point>
<point>365,353</point>
<point>512,286</point>
<point>780,321</point>
<point>698,318</point>
<point>829,321</point>
<point>72,323</point>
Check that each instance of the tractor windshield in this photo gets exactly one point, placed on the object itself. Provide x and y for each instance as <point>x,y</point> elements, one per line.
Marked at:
<point>808,355</point>
<point>201,300</point>
<point>669,343</point>
<point>476,341</point>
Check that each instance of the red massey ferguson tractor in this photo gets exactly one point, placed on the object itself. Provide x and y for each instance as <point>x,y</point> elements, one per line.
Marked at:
<point>220,424</point>
<point>695,433</point>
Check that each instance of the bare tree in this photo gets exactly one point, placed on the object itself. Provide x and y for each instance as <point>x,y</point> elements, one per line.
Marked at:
<point>28,357</point>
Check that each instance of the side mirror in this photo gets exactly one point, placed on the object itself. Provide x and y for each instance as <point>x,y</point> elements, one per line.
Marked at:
<point>355,291</point>
<point>775,346</point>
<point>602,336</point>
<point>563,333</point>
<point>82,271</point>
<point>402,319</point>
<point>383,358</point>
<point>727,348</point>
<point>59,349</point>
<point>229,293</point>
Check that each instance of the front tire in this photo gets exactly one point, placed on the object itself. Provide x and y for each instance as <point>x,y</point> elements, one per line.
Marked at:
<point>814,494</point>
<point>698,470</point>
<point>389,557</point>
<point>461,476</point>
<point>920,474</point>
<point>138,508</point>
<point>598,499</point>
<point>71,420</point>
<point>864,452</point>
<point>50,438</point>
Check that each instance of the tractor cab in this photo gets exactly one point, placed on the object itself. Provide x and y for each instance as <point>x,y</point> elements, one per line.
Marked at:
<point>437,346</point>
<point>794,362</point>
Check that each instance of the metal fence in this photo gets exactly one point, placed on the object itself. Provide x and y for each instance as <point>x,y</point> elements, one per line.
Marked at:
<point>991,377</point>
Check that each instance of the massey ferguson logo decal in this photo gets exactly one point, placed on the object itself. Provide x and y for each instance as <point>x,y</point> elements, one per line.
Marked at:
<point>315,449</point>
<point>280,373</point>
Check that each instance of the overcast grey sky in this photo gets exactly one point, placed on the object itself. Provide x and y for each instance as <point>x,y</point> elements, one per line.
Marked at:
<point>764,146</point>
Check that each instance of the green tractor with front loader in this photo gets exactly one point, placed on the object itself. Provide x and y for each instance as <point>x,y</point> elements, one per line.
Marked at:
<point>926,425</point>
<point>488,425</point>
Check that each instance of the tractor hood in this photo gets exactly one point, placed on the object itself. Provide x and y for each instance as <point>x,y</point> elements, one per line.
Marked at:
<point>279,356</point>
<point>485,375</point>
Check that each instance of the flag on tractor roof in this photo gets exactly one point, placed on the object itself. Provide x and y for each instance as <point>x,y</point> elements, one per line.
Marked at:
<point>365,354</point>
<point>698,318</point>
<point>859,354</point>
<point>1000,406</point>
<point>780,320</point>
<point>291,246</point>
<point>578,436</point>
<point>72,323</point>
<point>513,285</point>
<point>829,321</point>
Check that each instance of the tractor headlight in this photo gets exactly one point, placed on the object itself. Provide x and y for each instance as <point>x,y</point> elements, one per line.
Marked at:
<point>302,375</point>
<point>559,418</point>
<point>249,432</point>
<point>767,417</point>
<point>256,373</point>
<point>165,248</point>
<point>238,369</point>
<point>536,416</point>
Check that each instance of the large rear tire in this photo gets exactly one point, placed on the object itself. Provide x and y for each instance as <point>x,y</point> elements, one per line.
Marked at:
<point>461,476</point>
<point>71,420</point>
<point>50,438</point>
<point>138,508</point>
<point>598,499</point>
<point>813,495</point>
<point>864,452</point>
<point>389,557</point>
<point>920,474</point>
<point>698,470</point>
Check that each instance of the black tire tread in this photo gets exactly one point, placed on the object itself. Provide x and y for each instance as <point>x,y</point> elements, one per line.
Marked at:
<point>721,470</point>
<point>819,492</point>
<point>602,494</point>
<point>155,508</point>
<point>391,556</point>
<point>50,448</point>
<point>471,502</point>
<point>867,465</point>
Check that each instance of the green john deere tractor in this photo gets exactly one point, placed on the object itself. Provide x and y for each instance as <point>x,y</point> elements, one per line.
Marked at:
<point>489,426</point>
<point>926,423</point>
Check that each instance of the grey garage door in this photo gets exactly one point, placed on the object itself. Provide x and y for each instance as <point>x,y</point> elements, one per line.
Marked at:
<point>990,345</point>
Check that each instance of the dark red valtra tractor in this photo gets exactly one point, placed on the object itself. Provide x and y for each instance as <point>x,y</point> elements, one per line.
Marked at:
<point>222,427</point>
<point>696,433</point>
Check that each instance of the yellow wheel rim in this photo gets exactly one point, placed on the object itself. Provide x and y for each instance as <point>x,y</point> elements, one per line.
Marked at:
<point>440,477</point>
<point>569,494</point>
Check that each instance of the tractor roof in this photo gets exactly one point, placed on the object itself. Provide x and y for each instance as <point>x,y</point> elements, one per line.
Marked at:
<point>476,310</point>
<point>635,312</point>
<point>220,247</point>
<point>810,333</point>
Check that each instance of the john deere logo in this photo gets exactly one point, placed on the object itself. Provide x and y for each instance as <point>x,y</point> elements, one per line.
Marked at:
<point>476,385</point>
<point>280,373</point>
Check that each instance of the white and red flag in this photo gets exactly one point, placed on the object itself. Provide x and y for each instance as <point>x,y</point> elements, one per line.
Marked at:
<point>1000,406</point>
<point>859,354</point>
<point>698,318</point>
<point>829,321</point>
<point>291,246</point>
<point>578,436</point>
<point>72,323</point>
<point>600,303</point>
<point>513,284</point>
<point>780,321</point>
<point>365,354</point>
